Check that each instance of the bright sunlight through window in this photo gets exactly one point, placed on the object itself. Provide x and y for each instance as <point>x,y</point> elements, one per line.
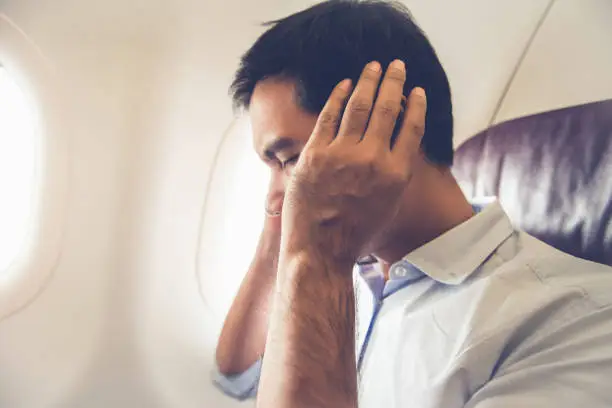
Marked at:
<point>17,167</point>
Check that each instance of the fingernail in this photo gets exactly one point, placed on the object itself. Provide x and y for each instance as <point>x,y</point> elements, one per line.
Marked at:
<point>345,85</point>
<point>420,92</point>
<point>374,66</point>
<point>398,64</point>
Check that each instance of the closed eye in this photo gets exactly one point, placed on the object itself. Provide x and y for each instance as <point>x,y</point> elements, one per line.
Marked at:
<point>291,161</point>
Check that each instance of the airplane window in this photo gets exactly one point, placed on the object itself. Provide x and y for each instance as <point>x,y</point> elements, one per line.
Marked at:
<point>233,218</point>
<point>17,168</point>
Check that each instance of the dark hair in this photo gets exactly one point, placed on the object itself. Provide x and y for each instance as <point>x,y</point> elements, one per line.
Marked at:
<point>333,40</point>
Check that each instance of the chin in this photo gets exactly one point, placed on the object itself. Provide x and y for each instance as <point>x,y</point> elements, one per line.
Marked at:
<point>373,248</point>
<point>366,259</point>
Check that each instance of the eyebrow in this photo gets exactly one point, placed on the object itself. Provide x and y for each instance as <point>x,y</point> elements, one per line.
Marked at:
<point>278,145</point>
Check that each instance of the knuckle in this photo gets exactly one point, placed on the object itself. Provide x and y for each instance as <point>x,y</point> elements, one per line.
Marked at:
<point>360,106</point>
<point>309,155</point>
<point>395,75</point>
<point>328,119</point>
<point>369,168</point>
<point>388,108</point>
<point>370,74</point>
<point>400,173</point>
<point>394,177</point>
<point>417,128</point>
<point>313,158</point>
<point>371,160</point>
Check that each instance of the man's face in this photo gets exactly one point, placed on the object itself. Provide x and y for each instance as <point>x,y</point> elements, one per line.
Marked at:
<point>280,130</point>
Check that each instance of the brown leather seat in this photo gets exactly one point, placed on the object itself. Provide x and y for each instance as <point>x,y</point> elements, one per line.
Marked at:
<point>552,172</point>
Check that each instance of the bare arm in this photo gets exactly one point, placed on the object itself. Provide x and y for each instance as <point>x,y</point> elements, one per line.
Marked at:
<point>346,187</point>
<point>310,360</point>
<point>243,336</point>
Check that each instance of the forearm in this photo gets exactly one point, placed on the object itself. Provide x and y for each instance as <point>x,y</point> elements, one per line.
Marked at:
<point>244,332</point>
<point>310,353</point>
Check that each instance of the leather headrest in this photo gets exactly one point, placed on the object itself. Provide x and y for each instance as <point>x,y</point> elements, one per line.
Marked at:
<point>552,173</point>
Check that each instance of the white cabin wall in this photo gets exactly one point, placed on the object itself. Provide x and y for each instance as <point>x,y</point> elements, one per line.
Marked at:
<point>479,43</point>
<point>73,344</point>
<point>47,349</point>
<point>569,62</point>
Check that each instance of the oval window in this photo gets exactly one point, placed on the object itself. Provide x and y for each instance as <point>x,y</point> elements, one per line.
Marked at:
<point>18,147</point>
<point>233,218</point>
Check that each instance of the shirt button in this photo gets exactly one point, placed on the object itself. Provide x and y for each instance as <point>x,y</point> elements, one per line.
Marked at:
<point>400,271</point>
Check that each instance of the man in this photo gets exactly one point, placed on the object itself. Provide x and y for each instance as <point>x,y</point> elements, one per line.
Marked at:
<point>471,312</point>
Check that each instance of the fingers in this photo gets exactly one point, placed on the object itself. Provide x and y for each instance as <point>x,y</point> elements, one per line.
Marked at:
<point>275,196</point>
<point>327,123</point>
<point>358,110</point>
<point>384,112</point>
<point>387,106</point>
<point>411,133</point>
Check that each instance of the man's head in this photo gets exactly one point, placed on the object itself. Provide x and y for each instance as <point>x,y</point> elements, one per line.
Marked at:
<point>286,77</point>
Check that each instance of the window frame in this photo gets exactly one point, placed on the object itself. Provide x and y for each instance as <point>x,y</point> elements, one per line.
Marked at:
<point>34,199</point>
<point>218,274</point>
<point>31,271</point>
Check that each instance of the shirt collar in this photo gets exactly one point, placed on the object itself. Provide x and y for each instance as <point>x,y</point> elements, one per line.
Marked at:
<point>455,255</point>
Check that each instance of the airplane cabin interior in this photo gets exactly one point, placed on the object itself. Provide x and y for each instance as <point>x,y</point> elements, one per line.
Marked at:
<point>131,198</point>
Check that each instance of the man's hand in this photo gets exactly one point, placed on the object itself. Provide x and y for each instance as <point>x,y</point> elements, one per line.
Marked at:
<point>344,189</point>
<point>269,240</point>
<point>347,184</point>
<point>243,337</point>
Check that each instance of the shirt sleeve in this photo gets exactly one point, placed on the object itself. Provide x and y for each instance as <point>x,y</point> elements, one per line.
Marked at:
<point>240,386</point>
<point>569,367</point>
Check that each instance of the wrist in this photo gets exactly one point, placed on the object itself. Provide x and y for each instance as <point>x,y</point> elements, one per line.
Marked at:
<point>268,246</point>
<point>313,268</point>
<point>264,264</point>
<point>267,252</point>
<point>317,244</point>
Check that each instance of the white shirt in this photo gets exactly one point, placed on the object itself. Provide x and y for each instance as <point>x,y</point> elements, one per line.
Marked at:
<point>483,316</point>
